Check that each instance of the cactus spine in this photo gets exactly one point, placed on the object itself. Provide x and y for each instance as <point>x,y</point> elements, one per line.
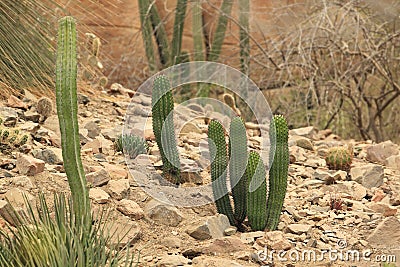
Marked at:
<point>257,194</point>
<point>67,107</point>
<point>163,127</point>
<point>339,158</point>
<point>237,167</point>
<point>278,172</point>
<point>218,154</point>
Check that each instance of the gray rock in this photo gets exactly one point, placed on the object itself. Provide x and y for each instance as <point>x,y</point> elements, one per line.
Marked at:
<point>393,162</point>
<point>27,165</point>
<point>130,208</point>
<point>7,212</point>
<point>48,155</point>
<point>161,213</point>
<point>231,230</point>
<point>212,227</point>
<point>369,175</point>
<point>171,242</point>
<point>93,129</point>
<point>98,178</point>
<point>123,231</point>
<point>386,233</point>
<point>31,116</point>
<point>302,142</point>
<point>249,238</point>
<point>22,181</point>
<point>119,189</point>
<point>305,131</point>
<point>380,152</point>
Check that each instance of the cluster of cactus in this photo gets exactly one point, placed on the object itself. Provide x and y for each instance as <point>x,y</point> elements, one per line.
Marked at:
<point>131,145</point>
<point>163,128</point>
<point>44,107</point>
<point>339,158</point>
<point>247,174</point>
<point>11,138</point>
<point>92,67</point>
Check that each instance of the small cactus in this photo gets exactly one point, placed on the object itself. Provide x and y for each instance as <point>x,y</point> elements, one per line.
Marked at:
<point>163,127</point>
<point>96,43</point>
<point>11,139</point>
<point>44,107</point>
<point>131,145</point>
<point>339,158</point>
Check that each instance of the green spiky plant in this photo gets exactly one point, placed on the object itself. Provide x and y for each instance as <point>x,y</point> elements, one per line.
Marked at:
<point>278,172</point>
<point>144,8</point>
<point>163,127</point>
<point>219,163</point>
<point>250,191</point>
<point>131,144</point>
<point>11,139</point>
<point>237,167</point>
<point>257,192</point>
<point>339,158</point>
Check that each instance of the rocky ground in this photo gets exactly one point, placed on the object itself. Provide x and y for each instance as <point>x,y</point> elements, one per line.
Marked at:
<point>329,213</point>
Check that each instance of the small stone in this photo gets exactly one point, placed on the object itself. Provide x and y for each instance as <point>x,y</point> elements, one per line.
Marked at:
<point>204,261</point>
<point>99,195</point>
<point>22,181</point>
<point>275,240</point>
<point>130,208</point>
<point>18,197</point>
<point>192,176</point>
<point>302,142</point>
<point>231,230</point>
<point>119,189</point>
<point>380,152</point>
<point>123,231</point>
<point>115,171</point>
<point>14,102</point>
<point>27,165</point>
<point>305,131</point>
<point>172,261</point>
<point>249,238</point>
<point>31,116</point>
<point>98,178</point>
<point>171,242</point>
<point>189,128</point>
<point>161,213</point>
<point>93,129</point>
<point>212,227</point>
<point>369,175</point>
<point>393,162</point>
<point>100,145</point>
<point>9,115</point>
<point>224,245</point>
<point>298,229</point>
<point>49,155</point>
<point>386,233</point>
<point>382,208</point>
<point>7,212</point>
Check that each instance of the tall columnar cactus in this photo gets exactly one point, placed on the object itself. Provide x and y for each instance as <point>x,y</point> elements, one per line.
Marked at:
<point>257,194</point>
<point>144,8</point>
<point>219,164</point>
<point>278,172</point>
<point>237,167</point>
<point>67,107</point>
<point>180,14</point>
<point>163,127</point>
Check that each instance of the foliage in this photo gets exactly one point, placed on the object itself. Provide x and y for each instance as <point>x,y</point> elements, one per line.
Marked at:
<point>163,127</point>
<point>39,239</point>
<point>131,144</point>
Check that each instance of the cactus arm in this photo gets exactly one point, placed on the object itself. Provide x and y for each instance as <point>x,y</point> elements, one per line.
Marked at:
<point>257,194</point>
<point>217,146</point>
<point>161,35</point>
<point>144,6</point>
<point>163,127</point>
<point>219,34</point>
<point>176,45</point>
<point>278,172</point>
<point>237,167</point>
<point>66,97</point>
<point>244,13</point>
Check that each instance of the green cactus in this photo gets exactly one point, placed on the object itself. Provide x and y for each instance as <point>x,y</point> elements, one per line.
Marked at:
<point>144,6</point>
<point>163,127</point>
<point>257,194</point>
<point>278,172</point>
<point>10,139</point>
<point>218,154</point>
<point>339,158</point>
<point>131,144</point>
<point>67,110</point>
<point>176,45</point>
<point>237,167</point>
